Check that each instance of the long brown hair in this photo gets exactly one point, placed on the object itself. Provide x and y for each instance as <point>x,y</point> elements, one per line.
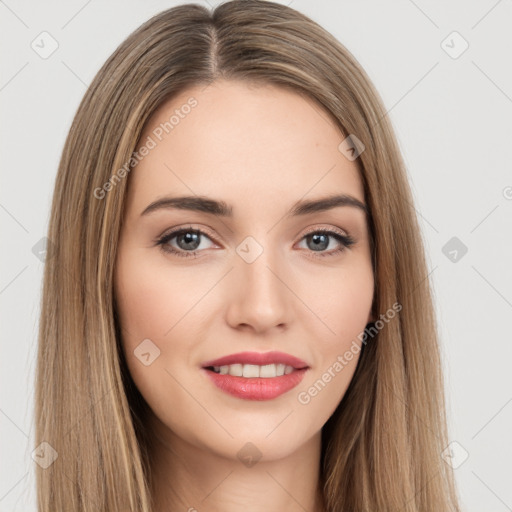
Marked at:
<point>381,449</point>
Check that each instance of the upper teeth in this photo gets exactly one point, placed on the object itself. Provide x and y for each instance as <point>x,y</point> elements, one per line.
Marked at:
<point>253,370</point>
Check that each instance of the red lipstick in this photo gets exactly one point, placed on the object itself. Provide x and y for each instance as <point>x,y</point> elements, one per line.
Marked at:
<point>256,388</point>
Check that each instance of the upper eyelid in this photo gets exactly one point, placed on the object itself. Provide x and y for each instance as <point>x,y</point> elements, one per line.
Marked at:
<point>336,230</point>
<point>209,232</point>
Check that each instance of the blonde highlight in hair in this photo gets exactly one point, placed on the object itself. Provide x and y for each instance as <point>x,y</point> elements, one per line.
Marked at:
<point>381,449</point>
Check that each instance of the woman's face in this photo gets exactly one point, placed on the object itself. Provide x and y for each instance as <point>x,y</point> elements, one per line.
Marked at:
<point>258,277</point>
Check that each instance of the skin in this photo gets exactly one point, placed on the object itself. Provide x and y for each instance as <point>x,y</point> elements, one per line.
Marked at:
<point>260,149</point>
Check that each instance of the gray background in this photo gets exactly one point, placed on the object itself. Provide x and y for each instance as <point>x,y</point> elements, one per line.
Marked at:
<point>451,112</point>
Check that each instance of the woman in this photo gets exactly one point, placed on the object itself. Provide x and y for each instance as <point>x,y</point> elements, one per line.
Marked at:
<point>237,311</point>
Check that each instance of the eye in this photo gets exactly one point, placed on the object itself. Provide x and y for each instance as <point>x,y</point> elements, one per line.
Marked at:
<point>187,239</point>
<point>318,240</point>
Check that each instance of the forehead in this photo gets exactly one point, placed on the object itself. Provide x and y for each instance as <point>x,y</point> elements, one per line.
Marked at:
<point>244,143</point>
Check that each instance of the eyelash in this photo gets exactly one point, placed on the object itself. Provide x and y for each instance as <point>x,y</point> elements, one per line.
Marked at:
<point>345,242</point>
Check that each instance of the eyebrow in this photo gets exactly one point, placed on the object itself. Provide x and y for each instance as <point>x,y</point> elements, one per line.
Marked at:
<point>222,209</point>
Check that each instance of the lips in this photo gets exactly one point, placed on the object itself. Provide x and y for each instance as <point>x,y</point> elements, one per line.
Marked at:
<point>258,358</point>
<point>250,387</point>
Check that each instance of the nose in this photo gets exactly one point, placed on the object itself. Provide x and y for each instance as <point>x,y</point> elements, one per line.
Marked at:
<point>259,299</point>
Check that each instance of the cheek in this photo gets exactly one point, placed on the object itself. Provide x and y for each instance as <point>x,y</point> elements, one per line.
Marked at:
<point>150,299</point>
<point>163,304</point>
<point>349,312</point>
<point>342,299</point>
<point>344,306</point>
<point>152,304</point>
